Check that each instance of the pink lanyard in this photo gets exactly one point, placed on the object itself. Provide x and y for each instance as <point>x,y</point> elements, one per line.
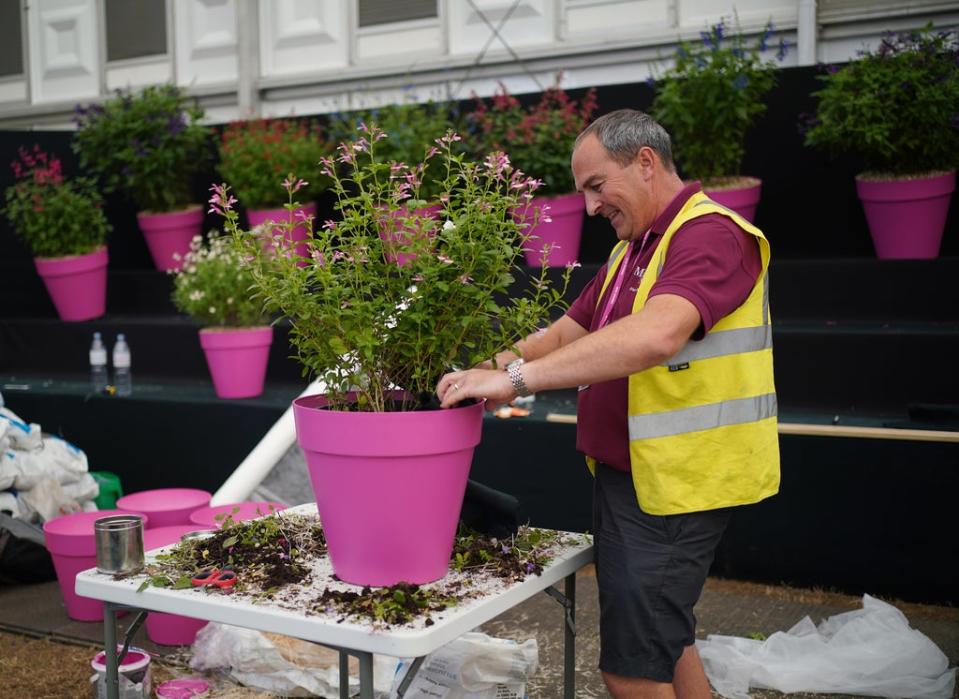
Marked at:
<point>618,283</point>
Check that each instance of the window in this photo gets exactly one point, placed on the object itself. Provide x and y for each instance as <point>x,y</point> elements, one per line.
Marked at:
<point>135,28</point>
<point>11,39</point>
<point>374,12</point>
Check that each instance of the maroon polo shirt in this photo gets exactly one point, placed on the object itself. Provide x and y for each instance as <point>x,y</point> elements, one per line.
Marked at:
<point>711,262</point>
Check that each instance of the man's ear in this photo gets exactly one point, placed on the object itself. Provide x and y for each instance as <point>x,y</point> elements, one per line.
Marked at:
<point>648,160</point>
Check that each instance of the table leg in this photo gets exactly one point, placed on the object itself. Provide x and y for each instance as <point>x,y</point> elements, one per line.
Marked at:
<point>366,675</point>
<point>110,650</point>
<point>408,677</point>
<point>569,659</point>
<point>344,675</point>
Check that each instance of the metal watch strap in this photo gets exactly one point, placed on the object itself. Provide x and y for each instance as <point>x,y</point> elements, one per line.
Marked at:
<point>516,377</point>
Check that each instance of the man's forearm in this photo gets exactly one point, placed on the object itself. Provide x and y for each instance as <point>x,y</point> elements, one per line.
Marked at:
<point>542,342</point>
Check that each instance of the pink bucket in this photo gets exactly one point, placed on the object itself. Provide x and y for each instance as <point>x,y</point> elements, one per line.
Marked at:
<point>906,217</point>
<point>237,358</point>
<point>388,486</point>
<point>279,217</point>
<point>77,284</point>
<point>561,232</point>
<point>70,541</point>
<point>207,516</point>
<point>165,506</point>
<point>396,235</point>
<point>742,200</point>
<point>170,629</point>
<point>170,234</point>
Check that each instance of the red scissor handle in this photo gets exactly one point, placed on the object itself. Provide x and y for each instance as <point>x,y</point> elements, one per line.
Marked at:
<point>215,576</point>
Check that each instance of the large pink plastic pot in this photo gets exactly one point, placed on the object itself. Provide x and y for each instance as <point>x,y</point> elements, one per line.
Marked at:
<point>906,217</point>
<point>277,220</point>
<point>397,236</point>
<point>168,235</point>
<point>206,517</point>
<point>165,506</point>
<point>560,228</point>
<point>237,358</point>
<point>742,200</point>
<point>388,486</point>
<point>77,284</point>
<point>170,629</point>
<point>71,544</point>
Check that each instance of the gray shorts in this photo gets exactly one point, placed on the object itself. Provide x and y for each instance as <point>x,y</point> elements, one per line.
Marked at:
<point>650,570</point>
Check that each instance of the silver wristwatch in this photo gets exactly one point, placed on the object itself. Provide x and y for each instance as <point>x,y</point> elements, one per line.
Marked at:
<point>516,377</point>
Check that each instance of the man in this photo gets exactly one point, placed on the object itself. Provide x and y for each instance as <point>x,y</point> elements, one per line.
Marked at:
<point>670,346</point>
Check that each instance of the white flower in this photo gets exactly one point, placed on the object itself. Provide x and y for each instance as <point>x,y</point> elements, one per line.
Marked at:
<point>196,295</point>
<point>229,301</point>
<point>212,309</point>
<point>449,226</point>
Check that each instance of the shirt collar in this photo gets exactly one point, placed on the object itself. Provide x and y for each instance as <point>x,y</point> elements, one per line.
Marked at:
<point>669,213</point>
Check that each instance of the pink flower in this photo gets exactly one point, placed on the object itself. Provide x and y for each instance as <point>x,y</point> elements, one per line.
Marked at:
<point>221,201</point>
<point>292,186</point>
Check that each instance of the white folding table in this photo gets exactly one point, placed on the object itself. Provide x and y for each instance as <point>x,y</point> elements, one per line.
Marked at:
<point>348,637</point>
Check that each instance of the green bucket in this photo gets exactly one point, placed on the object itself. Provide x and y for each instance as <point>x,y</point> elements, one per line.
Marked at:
<point>110,489</point>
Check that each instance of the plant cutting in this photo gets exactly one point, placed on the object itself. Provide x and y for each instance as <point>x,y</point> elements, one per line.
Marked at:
<point>539,139</point>
<point>389,469</point>
<point>148,146</point>
<point>708,100</point>
<point>255,154</point>
<point>62,222</point>
<point>895,108</point>
<point>213,288</point>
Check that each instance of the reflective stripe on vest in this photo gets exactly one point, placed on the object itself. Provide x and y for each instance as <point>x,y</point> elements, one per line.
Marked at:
<point>723,342</point>
<point>702,417</point>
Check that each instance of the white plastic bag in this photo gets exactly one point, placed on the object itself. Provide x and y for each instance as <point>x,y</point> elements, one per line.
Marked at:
<point>474,666</point>
<point>280,664</point>
<point>872,651</point>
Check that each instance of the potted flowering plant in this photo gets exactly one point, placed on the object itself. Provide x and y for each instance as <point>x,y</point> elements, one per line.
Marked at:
<point>62,222</point>
<point>389,469</point>
<point>213,287</point>
<point>896,108</point>
<point>255,154</point>
<point>539,139</point>
<point>708,100</point>
<point>412,127</point>
<point>148,146</point>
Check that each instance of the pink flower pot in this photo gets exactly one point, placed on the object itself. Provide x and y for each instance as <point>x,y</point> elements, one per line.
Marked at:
<point>560,227</point>
<point>70,541</point>
<point>169,234</point>
<point>237,358</point>
<point>906,217</point>
<point>77,284</point>
<point>170,629</point>
<point>396,235</point>
<point>207,516</point>
<point>276,219</point>
<point>165,506</point>
<point>742,200</point>
<point>388,486</point>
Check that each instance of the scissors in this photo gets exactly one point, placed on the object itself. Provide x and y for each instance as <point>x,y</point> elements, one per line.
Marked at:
<point>214,576</point>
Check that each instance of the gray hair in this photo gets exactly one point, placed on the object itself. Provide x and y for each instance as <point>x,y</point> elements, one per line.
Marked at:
<point>623,132</point>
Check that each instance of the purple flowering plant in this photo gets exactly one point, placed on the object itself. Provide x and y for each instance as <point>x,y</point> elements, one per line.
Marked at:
<point>711,96</point>
<point>897,106</point>
<point>388,297</point>
<point>146,145</point>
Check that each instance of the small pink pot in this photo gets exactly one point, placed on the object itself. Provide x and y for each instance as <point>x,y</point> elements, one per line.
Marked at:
<point>742,200</point>
<point>561,232</point>
<point>77,284</point>
<point>72,546</point>
<point>206,517</point>
<point>388,486</point>
<point>170,629</point>
<point>277,219</point>
<point>165,506</point>
<point>906,217</point>
<point>169,234</point>
<point>237,358</point>
<point>396,235</point>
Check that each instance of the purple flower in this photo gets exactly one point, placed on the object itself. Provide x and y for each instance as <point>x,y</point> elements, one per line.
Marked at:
<point>176,124</point>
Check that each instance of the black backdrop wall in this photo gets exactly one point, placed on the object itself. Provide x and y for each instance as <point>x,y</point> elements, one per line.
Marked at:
<point>809,207</point>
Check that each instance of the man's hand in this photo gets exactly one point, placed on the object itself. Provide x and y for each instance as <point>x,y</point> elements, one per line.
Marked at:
<point>493,385</point>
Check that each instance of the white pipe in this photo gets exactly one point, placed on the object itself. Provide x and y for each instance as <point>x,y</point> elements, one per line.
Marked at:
<point>259,462</point>
<point>806,33</point>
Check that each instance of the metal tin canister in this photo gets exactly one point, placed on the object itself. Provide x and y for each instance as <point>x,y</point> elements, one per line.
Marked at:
<point>119,544</point>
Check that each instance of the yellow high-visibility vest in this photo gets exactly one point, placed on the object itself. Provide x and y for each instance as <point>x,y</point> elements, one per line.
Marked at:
<point>702,425</point>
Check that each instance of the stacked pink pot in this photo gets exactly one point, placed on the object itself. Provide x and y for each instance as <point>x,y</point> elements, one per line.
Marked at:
<point>70,541</point>
<point>162,628</point>
<point>206,517</point>
<point>165,506</point>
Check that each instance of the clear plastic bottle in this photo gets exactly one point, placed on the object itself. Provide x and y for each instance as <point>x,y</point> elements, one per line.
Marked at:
<point>98,365</point>
<point>121,366</point>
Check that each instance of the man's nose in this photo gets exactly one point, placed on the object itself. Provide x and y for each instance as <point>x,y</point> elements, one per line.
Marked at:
<point>592,204</point>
